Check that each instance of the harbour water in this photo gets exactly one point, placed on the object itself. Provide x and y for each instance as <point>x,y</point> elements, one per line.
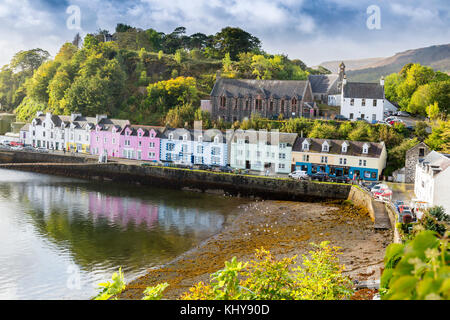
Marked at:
<point>60,237</point>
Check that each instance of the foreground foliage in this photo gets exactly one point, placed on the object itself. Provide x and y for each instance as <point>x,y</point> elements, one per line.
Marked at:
<point>320,277</point>
<point>418,269</point>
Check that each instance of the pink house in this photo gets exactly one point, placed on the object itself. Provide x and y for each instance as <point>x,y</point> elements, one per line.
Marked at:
<point>141,142</point>
<point>105,139</point>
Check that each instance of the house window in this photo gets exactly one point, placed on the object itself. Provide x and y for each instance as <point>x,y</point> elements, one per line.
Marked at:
<point>282,156</point>
<point>306,158</point>
<point>271,105</point>
<point>258,104</point>
<point>235,103</point>
<point>184,148</point>
<point>305,146</point>
<point>199,149</point>
<point>374,102</point>
<point>246,104</point>
<point>282,106</point>
<point>215,151</point>
<point>140,143</point>
<point>352,102</point>
<point>113,140</point>
<point>170,146</point>
<point>325,147</point>
<point>421,152</point>
<point>282,145</point>
<point>281,166</point>
<point>342,161</point>
<point>294,104</point>
<point>151,144</point>
<point>363,102</point>
<point>223,102</point>
<point>324,159</point>
<point>351,116</point>
<point>151,155</point>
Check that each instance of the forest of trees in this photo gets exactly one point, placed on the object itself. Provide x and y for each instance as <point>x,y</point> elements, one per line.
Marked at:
<point>136,74</point>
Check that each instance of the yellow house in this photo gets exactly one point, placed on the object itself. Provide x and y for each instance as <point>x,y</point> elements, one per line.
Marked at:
<point>352,159</point>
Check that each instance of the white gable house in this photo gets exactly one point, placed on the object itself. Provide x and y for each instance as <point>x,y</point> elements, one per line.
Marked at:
<point>363,101</point>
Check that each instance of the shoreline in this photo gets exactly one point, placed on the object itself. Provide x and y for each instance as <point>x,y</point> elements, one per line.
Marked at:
<point>283,227</point>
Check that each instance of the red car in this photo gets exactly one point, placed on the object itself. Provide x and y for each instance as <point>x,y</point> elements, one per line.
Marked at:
<point>16,144</point>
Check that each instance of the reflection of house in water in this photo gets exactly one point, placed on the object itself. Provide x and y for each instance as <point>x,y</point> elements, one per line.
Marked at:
<point>76,202</point>
<point>122,210</point>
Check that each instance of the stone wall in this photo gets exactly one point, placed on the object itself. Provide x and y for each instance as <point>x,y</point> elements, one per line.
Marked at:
<point>411,159</point>
<point>232,184</point>
<point>362,199</point>
<point>37,157</point>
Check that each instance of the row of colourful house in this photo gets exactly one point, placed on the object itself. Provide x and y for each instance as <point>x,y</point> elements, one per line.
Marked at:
<point>272,152</point>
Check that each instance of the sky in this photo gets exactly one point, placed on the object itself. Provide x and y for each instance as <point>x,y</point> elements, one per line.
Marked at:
<point>311,30</point>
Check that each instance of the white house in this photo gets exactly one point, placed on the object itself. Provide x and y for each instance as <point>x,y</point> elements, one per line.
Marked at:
<point>432,181</point>
<point>262,150</point>
<point>210,148</point>
<point>363,100</point>
<point>177,146</point>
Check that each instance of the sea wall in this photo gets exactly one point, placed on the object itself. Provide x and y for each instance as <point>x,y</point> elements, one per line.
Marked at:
<point>205,181</point>
<point>7,156</point>
<point>363,199</point>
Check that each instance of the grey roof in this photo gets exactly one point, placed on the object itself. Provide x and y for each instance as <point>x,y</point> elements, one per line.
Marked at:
<point>178,134</point>
<point>324,83</point>
<point>254,136</point>
<point>276,89</point>
<point>354,147</point>
<point>135,128</point>
<point>437,161</point>
<point>26,127</point>
<point>363,90</point>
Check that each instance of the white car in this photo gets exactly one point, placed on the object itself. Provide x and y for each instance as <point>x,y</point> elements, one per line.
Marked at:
<point>379,187</point>
<point>298,174</point>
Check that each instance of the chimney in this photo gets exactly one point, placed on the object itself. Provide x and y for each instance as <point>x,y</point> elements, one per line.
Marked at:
<point>382,81</point>
<point>100,117</point>
<point>73,116</point>
<point>39,113</point>
<point>344,81</point>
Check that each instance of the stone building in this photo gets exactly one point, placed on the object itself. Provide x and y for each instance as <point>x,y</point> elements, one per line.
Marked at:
<point>327,88</point>
<point>237,99</point>
<point>413,156</point>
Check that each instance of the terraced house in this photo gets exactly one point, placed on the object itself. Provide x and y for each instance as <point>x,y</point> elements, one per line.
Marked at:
<point>140,142</point>
<point>190,147</point>
<point>106,137</point>
<point>353,159</point>
<point>262,150</point>
<point>237,99</point>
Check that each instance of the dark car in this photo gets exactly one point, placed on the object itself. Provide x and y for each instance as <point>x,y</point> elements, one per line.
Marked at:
<point>319,176</point>
<point>340,179</point>
<point>340,117</point>
<point>226,169</point>
<point>204,167</point>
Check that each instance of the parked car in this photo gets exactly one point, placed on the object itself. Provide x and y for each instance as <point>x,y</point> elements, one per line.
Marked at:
<point>398,203</point>
<point>226,169</point>
<point>6,142</point>
<point>340,117</point>
<point>378,187</point>
<point>361,119</point>
<point>204,167</point>
<point>341,179</point>
<point>299,174</point>
<point>43,150</point>
<point>319,176</point>
<point>403,114</point>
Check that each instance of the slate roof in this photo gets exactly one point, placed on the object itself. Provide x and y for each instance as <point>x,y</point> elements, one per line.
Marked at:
<point>363,90</point>
<point>354,147</point>
<point>436,161</point>
<point>147,129</point>
<point>324,83</point>
<point>277,89</point>
<point>253,136</point>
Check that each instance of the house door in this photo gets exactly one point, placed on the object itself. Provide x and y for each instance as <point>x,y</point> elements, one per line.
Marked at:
<point>247,164</point>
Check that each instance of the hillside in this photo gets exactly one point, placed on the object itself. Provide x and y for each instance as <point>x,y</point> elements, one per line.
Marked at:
<point>437,57</point>
<point>355,64</point>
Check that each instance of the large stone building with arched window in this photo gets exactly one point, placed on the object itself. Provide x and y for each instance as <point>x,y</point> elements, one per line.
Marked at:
<point>237,99</point>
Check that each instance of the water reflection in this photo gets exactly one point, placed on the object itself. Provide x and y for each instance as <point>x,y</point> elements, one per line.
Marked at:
<point>48,225</point>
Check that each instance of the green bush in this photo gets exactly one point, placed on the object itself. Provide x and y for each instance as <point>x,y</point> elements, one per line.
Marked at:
<point>417,270</point>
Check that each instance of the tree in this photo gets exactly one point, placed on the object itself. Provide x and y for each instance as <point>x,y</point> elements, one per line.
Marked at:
<point>323,131</point>
<point>123,27</point>
<point>235,41</point>
<point>439,139</point>
<point>178,116</point>
<point>29,61</point>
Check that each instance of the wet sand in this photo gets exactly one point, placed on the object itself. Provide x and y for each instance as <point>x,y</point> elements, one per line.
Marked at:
<point>284,228</point>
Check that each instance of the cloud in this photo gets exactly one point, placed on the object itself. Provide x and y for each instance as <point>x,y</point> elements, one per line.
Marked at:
<point>309,30</point>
